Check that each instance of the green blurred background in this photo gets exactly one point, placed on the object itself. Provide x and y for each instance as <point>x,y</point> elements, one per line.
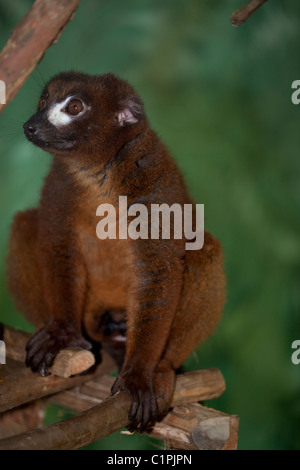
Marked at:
<point>220,98</point>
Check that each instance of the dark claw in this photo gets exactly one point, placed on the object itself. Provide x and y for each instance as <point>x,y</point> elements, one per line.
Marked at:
<point>43,370</point>
<point>116,386</point>
<point>133,409</point>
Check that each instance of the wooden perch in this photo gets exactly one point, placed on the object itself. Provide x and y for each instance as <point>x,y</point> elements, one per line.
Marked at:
<point>195,427</point>
<point>23,418</point>
<point>188,426</point>
<point>18,385</point>
<point>181,428</point>
<point>191,386</point>
<point>111,415</point>
<point>38,29</point>
<point>241,15</point>
<point>198,385</point>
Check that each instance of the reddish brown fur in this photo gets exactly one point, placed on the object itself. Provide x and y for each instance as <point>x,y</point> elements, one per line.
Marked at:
<point>66,281</point>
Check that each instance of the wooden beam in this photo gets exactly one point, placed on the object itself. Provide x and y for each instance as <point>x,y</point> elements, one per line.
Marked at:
<point>195,427</point>
<point>22,419</point>
<point>19,385</point>
<point>241,15</point>
<point>197,385</point>
<point>38,29</point>
<point>188,427</point>
<point>111,415</point>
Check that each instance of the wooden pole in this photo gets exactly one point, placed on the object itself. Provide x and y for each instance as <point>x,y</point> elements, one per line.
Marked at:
<point>111,415</point>
<point>241,15</point>
<point>38,29</point>
<point>195,427</point>
<point>19,385</point>
<point>22,419</point>
<point>188,427</point>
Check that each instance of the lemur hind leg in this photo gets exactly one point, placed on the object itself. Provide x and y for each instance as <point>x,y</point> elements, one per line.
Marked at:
<point>23,273</point>
<point>201,304</point>
<point>25,285</point>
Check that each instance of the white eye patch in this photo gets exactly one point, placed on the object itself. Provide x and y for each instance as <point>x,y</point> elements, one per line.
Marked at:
<point>57,116</point>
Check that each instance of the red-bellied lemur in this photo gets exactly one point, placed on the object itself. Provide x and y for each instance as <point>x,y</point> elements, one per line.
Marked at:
<point>148,302</point>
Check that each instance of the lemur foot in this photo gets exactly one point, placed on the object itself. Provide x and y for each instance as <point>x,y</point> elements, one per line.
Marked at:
<point>47,342</point>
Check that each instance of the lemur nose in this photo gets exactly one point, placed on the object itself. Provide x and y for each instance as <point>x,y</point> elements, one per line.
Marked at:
<point>30,128</point>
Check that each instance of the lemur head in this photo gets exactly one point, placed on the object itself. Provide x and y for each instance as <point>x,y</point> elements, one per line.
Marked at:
<point>85,114</point>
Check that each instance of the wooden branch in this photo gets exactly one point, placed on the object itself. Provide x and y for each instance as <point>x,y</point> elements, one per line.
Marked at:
<point>15,342</point>
<point>72,361</point>
<point>111,415</point>
<point>192,386</point>
<point>241,15</point>
<point>68,362</point>
<point>195,427</point>
<point>85,396</point>
<point>38,29</point>
<point>18,385</point>
<point>22,419</point>
<point>180,429</point>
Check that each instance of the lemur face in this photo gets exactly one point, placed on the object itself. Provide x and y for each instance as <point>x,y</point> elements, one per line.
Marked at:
<point>84,113</point>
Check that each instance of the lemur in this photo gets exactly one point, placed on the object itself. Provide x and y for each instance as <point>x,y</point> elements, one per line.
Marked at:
<point>159,298</point>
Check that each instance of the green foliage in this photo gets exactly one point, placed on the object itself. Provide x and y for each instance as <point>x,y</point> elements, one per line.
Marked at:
<point>220,99</point>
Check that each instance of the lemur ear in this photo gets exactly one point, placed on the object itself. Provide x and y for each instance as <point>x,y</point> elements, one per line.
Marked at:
<point>131,111</point>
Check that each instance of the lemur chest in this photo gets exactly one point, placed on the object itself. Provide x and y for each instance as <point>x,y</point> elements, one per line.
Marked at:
<point>108,261</point>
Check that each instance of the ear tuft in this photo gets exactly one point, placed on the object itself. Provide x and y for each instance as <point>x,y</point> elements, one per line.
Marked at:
<point>131,111</point>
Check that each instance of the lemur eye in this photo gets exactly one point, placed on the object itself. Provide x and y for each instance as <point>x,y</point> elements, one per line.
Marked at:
<point>42,103</point>
<point>74,107</point>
